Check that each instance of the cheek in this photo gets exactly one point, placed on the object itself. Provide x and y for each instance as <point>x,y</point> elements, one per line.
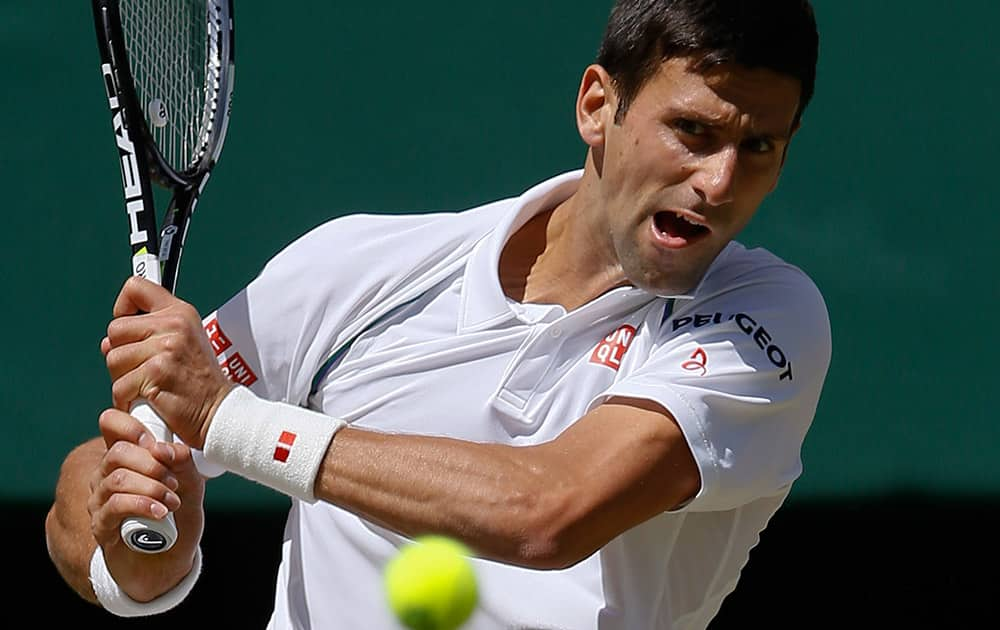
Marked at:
<point>664,148</point>
<point>650,150</point>
<point>753,186</point>
<point>668,160</point>
<point>762,178</point>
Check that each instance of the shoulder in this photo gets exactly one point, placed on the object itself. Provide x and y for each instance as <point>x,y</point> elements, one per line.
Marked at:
<point>738,267</point>
<point>384,243</point>
<point>311,295</point>
<point>756,279</point>
<point>771,312</point>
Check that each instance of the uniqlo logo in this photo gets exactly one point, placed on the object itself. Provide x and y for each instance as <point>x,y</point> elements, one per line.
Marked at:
<point>610,351</point>
<point>284,447</point>
<point>220,342</point>
<point>236,369</point>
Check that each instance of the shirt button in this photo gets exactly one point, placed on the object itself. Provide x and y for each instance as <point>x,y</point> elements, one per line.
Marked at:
<point>555,331</point>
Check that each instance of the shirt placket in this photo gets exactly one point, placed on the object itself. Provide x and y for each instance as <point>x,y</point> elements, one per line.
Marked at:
<point>529,371</point>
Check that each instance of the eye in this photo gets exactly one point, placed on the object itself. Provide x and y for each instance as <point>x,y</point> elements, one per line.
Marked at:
<point>758,145</point>
<point>690,127</point>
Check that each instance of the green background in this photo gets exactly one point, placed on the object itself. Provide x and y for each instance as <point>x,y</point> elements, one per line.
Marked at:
<point>887,201</point>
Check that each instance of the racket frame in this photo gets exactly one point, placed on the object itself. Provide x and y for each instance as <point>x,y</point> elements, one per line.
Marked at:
<point>156,253</point>
<point>151,242</point>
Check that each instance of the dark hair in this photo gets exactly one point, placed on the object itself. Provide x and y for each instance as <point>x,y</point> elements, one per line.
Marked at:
<point>779,35</point>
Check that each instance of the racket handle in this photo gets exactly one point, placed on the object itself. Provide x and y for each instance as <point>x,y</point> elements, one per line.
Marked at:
<point>147,535</point>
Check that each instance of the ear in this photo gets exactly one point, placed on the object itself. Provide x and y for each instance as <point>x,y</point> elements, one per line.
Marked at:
<point>595,105</point>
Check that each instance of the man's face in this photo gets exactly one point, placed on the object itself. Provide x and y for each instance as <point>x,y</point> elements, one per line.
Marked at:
<point>686,168</point>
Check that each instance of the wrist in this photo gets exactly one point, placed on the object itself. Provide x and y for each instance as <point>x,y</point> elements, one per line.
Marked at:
<point>275,444</point>
<point>224,392</point>
<point>113,599</point>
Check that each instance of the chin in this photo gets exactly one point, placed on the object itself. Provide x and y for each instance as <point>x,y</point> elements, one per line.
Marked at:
<point>666,280</point>
<point>663,286</point>
<point>666,272</point>
<point>669,291</point>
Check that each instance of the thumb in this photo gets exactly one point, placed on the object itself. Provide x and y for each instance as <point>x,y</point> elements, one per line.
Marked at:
<point>139,295</point>
<point>118,426</point>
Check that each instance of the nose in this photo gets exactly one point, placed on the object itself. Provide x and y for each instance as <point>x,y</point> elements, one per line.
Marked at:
<point>715,175</point>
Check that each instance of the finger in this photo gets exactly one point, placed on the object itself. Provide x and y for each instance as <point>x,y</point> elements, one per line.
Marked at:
<point>179,325</point>
<point>182,460</point>
<point>124,330</point>
<point>118,427</point>
<point>154,464</point>
<point>129,482</point>
<point>145,382</point>
<point>121,360</point>
<point>105,346</point>
<point>108,512</point>
<point>183,468</point>
<point>139,295</point>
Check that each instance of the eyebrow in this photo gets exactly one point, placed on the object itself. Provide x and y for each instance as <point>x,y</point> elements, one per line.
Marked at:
<point>716,121</point>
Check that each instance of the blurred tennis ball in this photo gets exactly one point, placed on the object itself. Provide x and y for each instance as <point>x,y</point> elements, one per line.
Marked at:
<point>431,585</point>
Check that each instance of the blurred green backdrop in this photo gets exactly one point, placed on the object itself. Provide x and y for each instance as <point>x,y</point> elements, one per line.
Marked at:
<point>887,201</point>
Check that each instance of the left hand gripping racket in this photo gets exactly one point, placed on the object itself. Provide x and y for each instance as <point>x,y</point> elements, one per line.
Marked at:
<point>168,72</point>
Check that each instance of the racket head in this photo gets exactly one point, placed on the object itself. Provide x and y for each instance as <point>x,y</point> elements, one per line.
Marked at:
<point>175,76</point>
<point>168,67</point>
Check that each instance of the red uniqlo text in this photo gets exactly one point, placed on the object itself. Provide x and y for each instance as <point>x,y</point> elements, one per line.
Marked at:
<point>216,337</point>
<point>610,351</point>
<point>236,369</point>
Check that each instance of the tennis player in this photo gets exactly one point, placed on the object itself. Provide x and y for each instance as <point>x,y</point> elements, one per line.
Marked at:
<point>591,384</point>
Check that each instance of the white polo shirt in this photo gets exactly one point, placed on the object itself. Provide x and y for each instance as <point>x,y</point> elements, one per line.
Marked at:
<point>399,324</point>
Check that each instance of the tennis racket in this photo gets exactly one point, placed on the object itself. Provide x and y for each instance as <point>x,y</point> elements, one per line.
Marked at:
<point>168,72</point>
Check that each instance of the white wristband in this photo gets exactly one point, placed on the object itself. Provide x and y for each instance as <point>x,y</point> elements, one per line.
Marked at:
<point>278,445</point>
<point>114,599</point>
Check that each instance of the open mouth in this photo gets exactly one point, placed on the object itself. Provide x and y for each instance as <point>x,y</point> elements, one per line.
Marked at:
<point>678,229</point>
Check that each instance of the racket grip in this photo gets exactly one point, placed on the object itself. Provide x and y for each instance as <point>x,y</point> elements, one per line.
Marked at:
<point>147,535</point>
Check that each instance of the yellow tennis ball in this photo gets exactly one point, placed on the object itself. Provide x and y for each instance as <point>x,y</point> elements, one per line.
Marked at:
<point>431,585</point>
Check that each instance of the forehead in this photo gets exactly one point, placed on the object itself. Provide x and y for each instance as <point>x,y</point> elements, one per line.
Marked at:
<point>724,92</point>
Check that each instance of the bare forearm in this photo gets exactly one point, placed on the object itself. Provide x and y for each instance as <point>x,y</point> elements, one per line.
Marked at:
<point>494,497</point>
<point>67,526</point>
<point>545,506</point>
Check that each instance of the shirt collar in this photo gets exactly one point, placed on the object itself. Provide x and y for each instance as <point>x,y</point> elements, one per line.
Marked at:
<point>483,301</point>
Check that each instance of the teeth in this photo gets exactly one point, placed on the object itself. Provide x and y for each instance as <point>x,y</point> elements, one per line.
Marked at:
<point>681,216</point>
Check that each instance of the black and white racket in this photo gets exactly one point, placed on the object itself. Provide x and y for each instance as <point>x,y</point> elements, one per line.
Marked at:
<point>168,72</point>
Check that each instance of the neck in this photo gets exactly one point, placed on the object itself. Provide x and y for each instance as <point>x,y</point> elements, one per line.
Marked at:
<point>560,256</point>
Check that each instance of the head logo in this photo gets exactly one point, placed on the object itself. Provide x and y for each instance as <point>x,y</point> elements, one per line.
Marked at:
<point>612,348</point>
<point>697,362</point>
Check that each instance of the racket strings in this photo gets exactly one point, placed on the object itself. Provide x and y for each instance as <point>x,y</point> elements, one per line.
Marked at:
<point>175,59</point>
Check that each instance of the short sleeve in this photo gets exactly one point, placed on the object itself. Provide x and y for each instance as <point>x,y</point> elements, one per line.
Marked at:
<point>273,335</point>
<point>270,336</point>
<point>741,371</point>
<point>262,335</point>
